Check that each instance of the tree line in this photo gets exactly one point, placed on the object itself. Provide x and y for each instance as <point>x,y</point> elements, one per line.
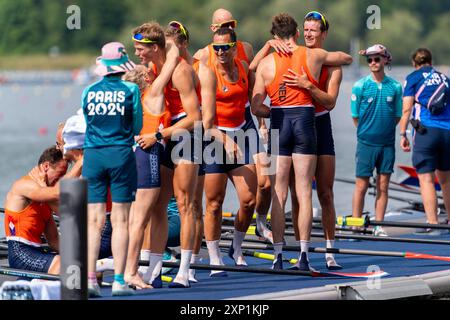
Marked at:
<point>36,26</point>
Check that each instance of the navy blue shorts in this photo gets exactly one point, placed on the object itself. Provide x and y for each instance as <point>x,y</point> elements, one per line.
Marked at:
<point>431,150</point>
<point>247,139</point>
<point>187,147</point>
<point>114,166</point>
<point>105,241</point>
<point>148,163</point>
<point>26,257</point>
<point>297,131</point>
<point>325,141</point>
<point>369,158</point>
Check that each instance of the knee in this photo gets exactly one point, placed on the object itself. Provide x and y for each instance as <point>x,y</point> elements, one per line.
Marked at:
<point>214,206</point>
<point>325,197</point>
<point>248,204</point>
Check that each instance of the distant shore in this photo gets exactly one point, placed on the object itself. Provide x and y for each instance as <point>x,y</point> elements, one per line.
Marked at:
<point>46,62</point>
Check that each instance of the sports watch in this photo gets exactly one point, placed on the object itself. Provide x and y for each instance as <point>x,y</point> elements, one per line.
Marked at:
<point>158,136</point>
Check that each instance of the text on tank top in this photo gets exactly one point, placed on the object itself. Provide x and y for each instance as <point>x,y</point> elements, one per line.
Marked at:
<point>279,93</point>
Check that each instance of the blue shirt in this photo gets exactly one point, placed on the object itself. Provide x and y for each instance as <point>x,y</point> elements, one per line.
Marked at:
<point>412,85</point>
<point>378,107</point>
<point>113,112</point>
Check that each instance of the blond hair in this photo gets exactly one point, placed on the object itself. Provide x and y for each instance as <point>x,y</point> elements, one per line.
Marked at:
<point>152,31</point>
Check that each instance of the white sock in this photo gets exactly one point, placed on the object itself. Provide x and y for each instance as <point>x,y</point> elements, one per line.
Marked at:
<point>330,245</point>
<point>237,243</point>
<point>183,271</point>
<point>304,246</point>
<point>145,255</point>
<point>262,227</point>
<point>154,267</point>
<point>277,249</point>
<point>195,258</point>
<point>105,264</point>
<point>214,252</point>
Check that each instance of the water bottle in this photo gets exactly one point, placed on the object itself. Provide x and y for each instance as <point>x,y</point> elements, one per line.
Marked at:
<point>28,295</point>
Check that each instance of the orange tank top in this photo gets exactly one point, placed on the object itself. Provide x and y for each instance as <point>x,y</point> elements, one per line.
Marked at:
<point>151,122</point>
<point>322,85</point>
<point>240,53</point>
<point>282,95</point>
<point>231,98</point>
<point>28,225</point>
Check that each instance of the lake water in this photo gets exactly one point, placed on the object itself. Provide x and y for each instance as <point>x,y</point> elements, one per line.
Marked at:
<point>31,110</point>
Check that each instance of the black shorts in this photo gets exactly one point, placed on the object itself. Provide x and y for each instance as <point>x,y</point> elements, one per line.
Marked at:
<point>325,141</point>
<point>296,131</point>
<point>431,150</point>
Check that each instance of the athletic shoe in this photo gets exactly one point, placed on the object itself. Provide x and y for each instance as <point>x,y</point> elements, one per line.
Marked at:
<point>121,289</point>
<point>218,274</point>
<point>94,290</point>
<point>378,231</point>
<point>427,232</point>
<point>302,264</point>
<point>331,264</point>
<point>157,282</point>
<point>177,285</point>
<point>278,262</point>
<point>168,256</point>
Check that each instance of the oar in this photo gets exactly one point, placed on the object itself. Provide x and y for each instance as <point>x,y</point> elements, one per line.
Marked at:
<point>406,255</point>
<point>314,274</point>
<point>366,222</point>
<point>251,231</point>
<point>416,205</point>
<point>27,274</point>
<point>364,231</point>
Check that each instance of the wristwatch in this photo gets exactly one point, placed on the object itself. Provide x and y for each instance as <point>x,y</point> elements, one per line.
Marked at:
<point>158,136</point>
<point>403,134</point>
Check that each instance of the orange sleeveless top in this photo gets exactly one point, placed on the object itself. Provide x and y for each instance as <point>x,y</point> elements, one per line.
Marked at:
<point>231,98</point>
<point>173,99</point>
<point>322,85</point>
<point>151,122</point>
<point>28,225</point>
<point>282,96</point>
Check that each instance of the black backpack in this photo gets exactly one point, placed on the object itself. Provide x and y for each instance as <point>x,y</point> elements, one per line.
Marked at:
<point>438,99</point>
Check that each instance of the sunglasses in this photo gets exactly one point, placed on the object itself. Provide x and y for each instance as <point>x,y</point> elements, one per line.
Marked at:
<point>223,46</point>
<point>318,16</point>
<point>139,37</point>
<point>178,26</point>
<point>376,59</point>
<point>232,24</point>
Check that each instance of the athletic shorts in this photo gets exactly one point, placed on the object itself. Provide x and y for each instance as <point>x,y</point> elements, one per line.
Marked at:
<point>26,257</point>
<point>186,147</point>
<point>105,241</point>
<point>250,125</point>
<point>247,139</point>
<point>369,158</point>
<point>325,141</point>
<point>431,150</point>
<point>114,166</point>
<point>296,131</point>
<point>148,163</point>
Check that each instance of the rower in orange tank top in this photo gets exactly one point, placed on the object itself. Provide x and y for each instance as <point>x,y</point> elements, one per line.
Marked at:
<point>282,96</point>
<point>27,225</point>
<point>231,98</point>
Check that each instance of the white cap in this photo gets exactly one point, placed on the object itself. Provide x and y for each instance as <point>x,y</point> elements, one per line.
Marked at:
<point>74,132</point>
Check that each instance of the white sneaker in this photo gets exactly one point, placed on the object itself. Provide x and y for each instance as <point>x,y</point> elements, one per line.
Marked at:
<point>378,231</point>
<point>94,290</point>
<point>121,289</point>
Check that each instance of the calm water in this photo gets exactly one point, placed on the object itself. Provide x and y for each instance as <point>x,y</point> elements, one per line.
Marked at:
<point>30,113</point>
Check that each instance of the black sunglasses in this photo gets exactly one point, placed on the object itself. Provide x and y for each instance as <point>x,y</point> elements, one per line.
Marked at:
<point>376,59</point>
